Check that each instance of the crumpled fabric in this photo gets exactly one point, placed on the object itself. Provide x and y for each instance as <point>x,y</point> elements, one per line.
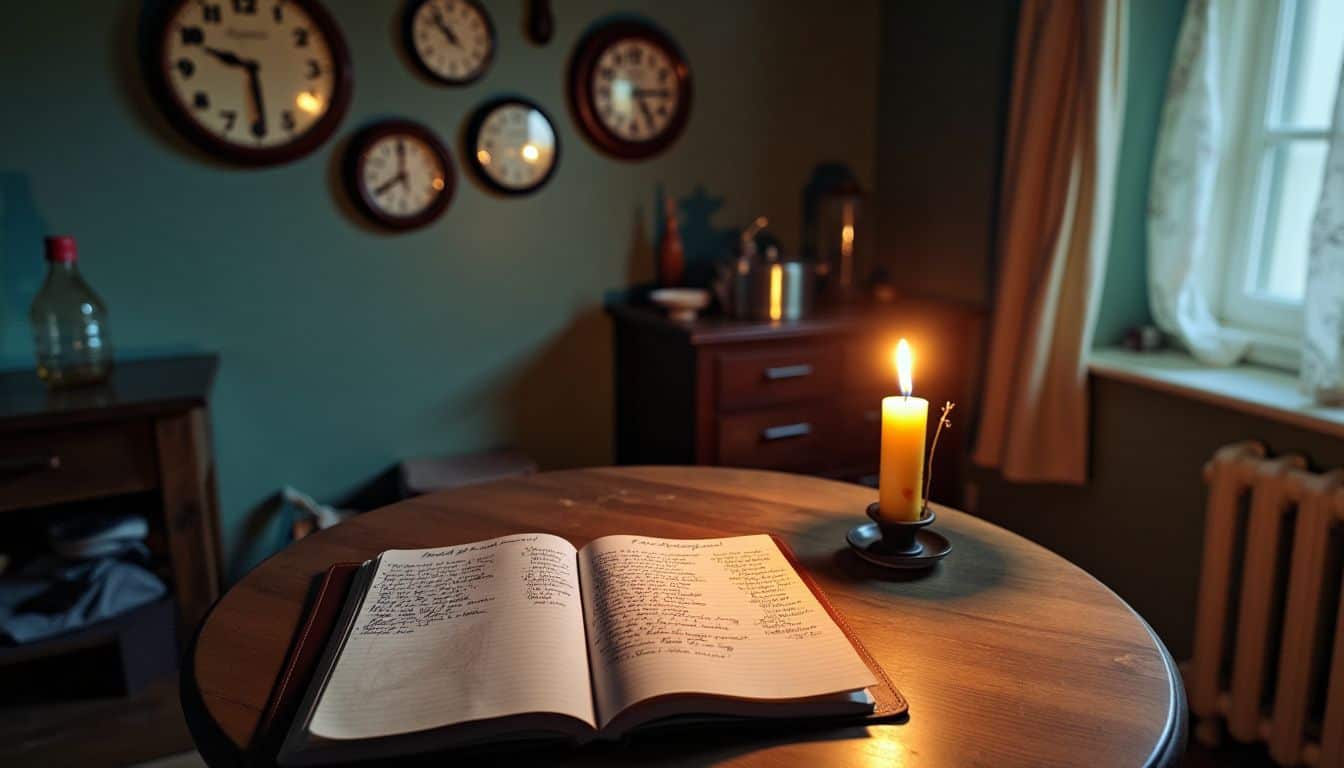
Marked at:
<point>51,595</point>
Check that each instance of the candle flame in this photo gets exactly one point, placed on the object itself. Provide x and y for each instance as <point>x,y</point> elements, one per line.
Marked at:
<point>903,365</point>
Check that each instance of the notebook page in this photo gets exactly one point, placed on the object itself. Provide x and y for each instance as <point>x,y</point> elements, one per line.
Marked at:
<point>461,633</point>
<point>725,617</point>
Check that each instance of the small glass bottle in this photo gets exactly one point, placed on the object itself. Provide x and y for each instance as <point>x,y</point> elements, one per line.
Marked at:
<point>69,323</point>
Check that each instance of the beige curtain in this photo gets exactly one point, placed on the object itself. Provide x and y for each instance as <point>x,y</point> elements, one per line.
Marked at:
<point>1054,229</point>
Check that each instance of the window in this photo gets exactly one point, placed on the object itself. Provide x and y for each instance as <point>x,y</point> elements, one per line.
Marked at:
<point>1281,73</point>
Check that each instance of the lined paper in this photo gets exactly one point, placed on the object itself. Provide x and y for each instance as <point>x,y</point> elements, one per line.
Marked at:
<point>462,633</point>
<point>725,617</point>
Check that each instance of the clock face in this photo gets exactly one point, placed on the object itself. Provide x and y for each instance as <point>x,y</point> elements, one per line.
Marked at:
<point>453,41</point>
<point>257,81</point>
<point>400,173</point>
<point>634,89</point>
<point>513,144</point>
<point>630,89</point>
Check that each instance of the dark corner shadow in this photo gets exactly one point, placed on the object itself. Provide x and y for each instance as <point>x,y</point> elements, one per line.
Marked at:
<point>983,563</point>
<point>257,539</point>
<point>556,404</point>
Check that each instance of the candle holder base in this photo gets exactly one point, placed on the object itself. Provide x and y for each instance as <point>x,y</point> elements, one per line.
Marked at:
<point>904,545</point>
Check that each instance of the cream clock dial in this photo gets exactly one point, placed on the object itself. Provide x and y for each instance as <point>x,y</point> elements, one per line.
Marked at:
<point>630,89</point>
<point>452,41</point>
<point>634,90</point>
<point>514,146</point>
<point>400,174</point>
<point>254,80</point>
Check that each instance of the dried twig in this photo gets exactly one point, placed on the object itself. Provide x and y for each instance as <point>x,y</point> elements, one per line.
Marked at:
<point>943,421</point>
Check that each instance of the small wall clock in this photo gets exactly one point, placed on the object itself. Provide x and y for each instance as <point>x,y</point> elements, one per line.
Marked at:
<point>452,41</point>
<point>630,88</point>
<point>399,174</point>
<point>512,146</point>
<point>251,81</point>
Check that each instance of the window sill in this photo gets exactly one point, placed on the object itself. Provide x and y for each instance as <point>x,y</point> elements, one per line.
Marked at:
<point>1250,389</point>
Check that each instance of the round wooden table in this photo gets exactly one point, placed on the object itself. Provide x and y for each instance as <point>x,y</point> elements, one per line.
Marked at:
<point>1008,654</point>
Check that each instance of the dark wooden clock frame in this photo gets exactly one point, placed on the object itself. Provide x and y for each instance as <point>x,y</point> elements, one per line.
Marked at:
<point>584,107</point>
<point>359,146</point>
<point>473,132</point>
<point>408,39</point>
<point>157,69</point>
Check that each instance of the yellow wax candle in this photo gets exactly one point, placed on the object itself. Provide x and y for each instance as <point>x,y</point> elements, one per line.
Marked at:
<point>900,488</point>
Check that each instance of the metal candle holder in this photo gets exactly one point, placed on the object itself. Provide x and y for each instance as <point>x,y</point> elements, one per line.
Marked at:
<point>899,544</point>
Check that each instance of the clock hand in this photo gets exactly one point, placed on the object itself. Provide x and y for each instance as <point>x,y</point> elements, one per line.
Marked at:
<point>386,185</point>
<point>447,30</point>
<point>228,57</point>
<point>659,92</point>
<point>254,85</point>
<point>644,107</point>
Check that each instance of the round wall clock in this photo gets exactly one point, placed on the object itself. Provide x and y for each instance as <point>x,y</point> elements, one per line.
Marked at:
<point>399,174</point>
<point>251,81</point>
<point>451,41</point>
<point>512,146</point>
<point>630,88</point>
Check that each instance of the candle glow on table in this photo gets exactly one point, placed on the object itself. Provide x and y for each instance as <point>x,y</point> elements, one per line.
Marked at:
<point>904,421</point>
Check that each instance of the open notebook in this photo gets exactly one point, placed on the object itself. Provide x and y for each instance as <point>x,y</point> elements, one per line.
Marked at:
<point>524,637</point>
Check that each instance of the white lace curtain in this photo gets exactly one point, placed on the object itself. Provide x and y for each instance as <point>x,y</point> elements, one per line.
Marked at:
<point>1323,331</point>
<point>1181,203</point>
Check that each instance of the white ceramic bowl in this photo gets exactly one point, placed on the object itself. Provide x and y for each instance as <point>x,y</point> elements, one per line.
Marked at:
<point>681,303</point>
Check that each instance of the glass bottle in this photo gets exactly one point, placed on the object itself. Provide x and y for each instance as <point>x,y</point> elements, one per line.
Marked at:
<point>69,323</point>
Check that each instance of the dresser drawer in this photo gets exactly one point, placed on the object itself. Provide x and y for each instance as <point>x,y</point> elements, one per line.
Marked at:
<point>789,373</point>
<point>793,437</point>
<point>53,466</point>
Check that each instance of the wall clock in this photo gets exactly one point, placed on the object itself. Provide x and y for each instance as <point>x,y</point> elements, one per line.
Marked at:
<point>399,174</point>
<point>251,81</point>
<point>630,88</point>
<point>452,41</point>
<point>512,146</point>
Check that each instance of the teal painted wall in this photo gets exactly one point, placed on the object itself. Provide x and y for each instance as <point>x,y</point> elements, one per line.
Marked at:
<point>343,349</point>
<point>1153,28</point>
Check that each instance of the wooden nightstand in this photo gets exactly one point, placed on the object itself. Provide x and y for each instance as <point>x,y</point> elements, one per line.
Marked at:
<point>802,396</point>
<point>147,430</point>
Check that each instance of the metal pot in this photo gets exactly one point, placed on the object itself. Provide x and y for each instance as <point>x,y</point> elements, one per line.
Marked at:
<point>771,291</point>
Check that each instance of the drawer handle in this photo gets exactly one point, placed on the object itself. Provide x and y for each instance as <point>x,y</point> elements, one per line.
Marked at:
<point>27,465</point>
<point>784,431</point>
<point>788,372</point>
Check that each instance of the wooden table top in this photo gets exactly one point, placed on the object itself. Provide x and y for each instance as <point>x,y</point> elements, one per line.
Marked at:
<point>1008,654</point>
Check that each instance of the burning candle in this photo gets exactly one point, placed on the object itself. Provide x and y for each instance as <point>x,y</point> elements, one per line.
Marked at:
<point>904,419</point>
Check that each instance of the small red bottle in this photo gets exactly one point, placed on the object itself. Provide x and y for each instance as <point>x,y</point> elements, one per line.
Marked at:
<point>69,322</point>
<point>671,259</point>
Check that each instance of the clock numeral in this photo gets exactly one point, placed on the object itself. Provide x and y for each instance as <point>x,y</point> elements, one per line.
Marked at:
<point>278,12</point>
<point>314,69</point>
<point>300,37</point>
<point>662,74</point>
<point>287,120</point>
<point>201,100</point>
<point>634,55</point>
<point>248,7</point>
<point>211,14</point>
<point>193,36</point>
<point>186,67</point>
<point>230,117</point>
<point>606,73</point>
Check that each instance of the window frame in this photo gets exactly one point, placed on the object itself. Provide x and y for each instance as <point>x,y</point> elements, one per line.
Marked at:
<point>1272,325</point>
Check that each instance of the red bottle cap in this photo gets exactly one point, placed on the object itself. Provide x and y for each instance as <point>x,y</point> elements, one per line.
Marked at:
<point>61,249</point>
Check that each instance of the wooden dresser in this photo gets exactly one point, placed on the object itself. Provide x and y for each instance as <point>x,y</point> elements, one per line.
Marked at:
<point>145,431</point>
<point>797,396</point>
